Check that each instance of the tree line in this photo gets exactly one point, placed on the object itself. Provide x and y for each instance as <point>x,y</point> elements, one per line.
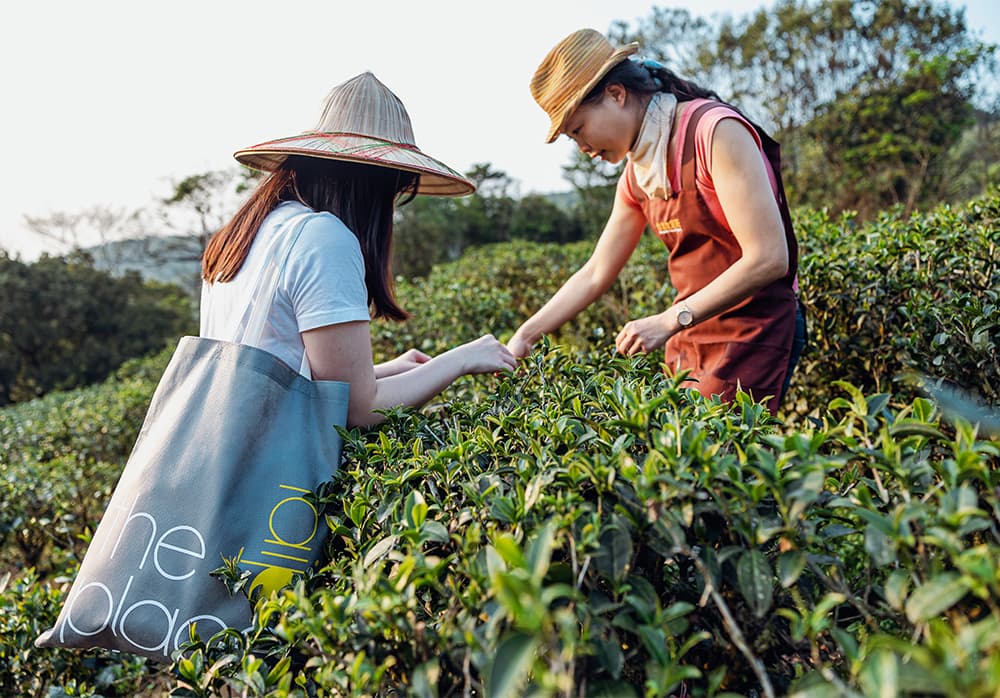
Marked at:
<point>877,105</point>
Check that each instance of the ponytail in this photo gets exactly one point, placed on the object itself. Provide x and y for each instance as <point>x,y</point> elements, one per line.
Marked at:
<point>649,77</point>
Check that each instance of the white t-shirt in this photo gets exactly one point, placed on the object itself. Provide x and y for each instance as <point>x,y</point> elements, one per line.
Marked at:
<point>323,283</point>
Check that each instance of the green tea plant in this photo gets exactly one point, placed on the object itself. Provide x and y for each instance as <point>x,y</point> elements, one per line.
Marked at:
<point>897,296</point>
<point>588,527</point>
<point>62,455</point>
<point>29,606</point>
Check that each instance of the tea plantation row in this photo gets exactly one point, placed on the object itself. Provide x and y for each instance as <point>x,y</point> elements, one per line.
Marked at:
<point>584,526</point>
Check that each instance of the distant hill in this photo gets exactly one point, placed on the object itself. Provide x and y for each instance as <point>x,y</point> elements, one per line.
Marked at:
<point>172,259</point>
<point>176,259</point>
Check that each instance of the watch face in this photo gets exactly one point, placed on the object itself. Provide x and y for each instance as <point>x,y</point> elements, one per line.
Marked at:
<point>684,317</point>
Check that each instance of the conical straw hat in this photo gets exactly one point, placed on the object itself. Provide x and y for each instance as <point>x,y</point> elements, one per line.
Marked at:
<point>362,121</point>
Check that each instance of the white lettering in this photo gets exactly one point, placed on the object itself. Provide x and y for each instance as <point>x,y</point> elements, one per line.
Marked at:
<point>121,604</point>
<point>152,533</point>
<point>69,611</point>
<point>199,554</point>
<point>171,620</point>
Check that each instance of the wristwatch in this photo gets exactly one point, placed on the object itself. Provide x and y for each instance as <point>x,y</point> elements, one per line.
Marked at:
<point>685,318</point>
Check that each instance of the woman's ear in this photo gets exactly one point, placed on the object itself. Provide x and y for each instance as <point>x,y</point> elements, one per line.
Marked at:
<point>617,92</point>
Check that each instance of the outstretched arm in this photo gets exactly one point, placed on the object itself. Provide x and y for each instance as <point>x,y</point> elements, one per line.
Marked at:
<point>343,352</point>
<point>617,243</point>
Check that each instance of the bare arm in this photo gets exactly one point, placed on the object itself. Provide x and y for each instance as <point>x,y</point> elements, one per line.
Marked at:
<point>343,352</point>
<point>617,243</point>
<point>401,364</point>
<point>747,200</point>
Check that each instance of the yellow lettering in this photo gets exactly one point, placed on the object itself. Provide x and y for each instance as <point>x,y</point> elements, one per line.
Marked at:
<point>278,540</point>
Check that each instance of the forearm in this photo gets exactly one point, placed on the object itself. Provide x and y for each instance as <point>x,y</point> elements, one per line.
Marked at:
<point>744,278</point>
<point>413,388</point>
<point>387,368</point>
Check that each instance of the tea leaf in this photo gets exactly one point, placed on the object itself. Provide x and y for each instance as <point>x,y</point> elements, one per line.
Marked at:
<point>511,666</point>
<point>756,581</point>
<point>936,596</point>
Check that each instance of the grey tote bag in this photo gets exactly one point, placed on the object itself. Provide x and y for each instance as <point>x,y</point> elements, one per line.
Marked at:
<point>233,443</point>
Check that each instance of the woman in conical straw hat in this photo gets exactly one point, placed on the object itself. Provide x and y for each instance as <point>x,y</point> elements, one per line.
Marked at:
<point>346,175</point>
<point>707,181</point>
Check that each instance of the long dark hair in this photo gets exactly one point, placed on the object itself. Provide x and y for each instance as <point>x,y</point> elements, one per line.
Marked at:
<point>362,196</point>
<point>649,77</point>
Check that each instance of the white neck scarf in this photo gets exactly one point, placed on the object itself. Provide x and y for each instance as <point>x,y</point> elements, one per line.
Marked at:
<point>649,154</point>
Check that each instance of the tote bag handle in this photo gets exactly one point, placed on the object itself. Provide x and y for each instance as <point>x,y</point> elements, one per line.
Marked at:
<point>262,297</point>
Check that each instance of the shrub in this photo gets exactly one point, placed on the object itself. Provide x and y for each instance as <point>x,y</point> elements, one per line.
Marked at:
<point>29,606</point>
<point>587,527</point>
<point>65,324</point>
<point>62,455</point>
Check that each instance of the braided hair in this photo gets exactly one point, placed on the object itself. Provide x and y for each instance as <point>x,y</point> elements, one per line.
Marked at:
<point>648,77</point>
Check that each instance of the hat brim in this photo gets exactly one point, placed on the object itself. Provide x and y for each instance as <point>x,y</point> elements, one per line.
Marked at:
<point>614,59</point>
<point>436,178</point>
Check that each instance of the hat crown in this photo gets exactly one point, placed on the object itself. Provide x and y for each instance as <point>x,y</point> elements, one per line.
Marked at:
<point>362,122</point>
<point>570,70</point>
<point>366,107</point>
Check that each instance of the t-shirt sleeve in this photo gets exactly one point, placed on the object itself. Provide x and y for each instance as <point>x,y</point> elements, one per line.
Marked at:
<point>324,278</point>
<point>704,133</point>
<point>625,186</point>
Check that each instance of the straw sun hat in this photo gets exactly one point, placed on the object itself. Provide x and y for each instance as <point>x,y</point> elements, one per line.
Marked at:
<point>571,70</point>
<point>364,122</point>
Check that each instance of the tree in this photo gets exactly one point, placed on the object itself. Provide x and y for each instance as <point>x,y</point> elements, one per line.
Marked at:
<point>830,78</point>
<point>64,323</point>
<point>94,227</point>
<point>538,219</point>
<point>198,207</point>
<point>889,143</point>
<point>427,230</point>
<point>487,214</point>
<point>594,182</point>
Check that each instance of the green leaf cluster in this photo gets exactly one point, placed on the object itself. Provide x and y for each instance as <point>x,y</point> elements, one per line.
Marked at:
<point>586,525</point>
<point>65,323</point>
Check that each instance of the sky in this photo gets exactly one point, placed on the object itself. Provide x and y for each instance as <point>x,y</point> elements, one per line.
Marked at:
<point>109,102</point>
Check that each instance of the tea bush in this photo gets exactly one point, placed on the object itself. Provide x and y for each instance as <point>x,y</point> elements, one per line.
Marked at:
<point>28,606</point>
<point>588,528</point>
<point>883,300</point>
<point>585,526</point>
<point>896,296</point>
<point>62,455</point>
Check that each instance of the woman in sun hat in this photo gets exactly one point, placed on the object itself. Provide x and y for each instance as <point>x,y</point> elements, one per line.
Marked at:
<point>340,181</point>
<point>707,181</point>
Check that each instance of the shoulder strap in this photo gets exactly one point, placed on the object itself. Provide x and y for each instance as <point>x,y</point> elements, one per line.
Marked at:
<point>688,159</point>
<point>262,297</point>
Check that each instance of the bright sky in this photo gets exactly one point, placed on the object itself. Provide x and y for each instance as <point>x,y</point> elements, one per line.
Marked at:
<point>109,101</point>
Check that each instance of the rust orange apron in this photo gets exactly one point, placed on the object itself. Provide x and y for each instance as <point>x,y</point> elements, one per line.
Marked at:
<point>748,345</point>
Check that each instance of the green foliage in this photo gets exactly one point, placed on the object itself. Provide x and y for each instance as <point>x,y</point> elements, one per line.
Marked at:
<point>887,142</point>
<point>866,98</point>
<point>587,527</point>
<point>66,324</point>
<point>429,230</point>
<point>62,455</point>
<point>28,606</point>
<point>894,297</point>
<point>594,183</point>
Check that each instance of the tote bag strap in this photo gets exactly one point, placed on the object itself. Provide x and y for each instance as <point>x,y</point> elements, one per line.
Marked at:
<point>263,295</point>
